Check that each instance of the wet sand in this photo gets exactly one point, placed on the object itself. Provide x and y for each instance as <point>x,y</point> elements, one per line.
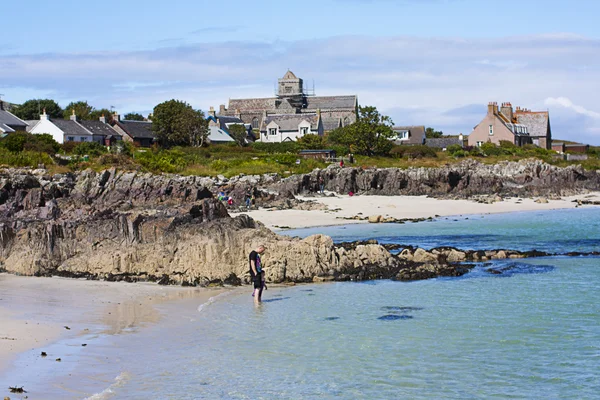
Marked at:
<point>35,312</point>
<point>400,207</point>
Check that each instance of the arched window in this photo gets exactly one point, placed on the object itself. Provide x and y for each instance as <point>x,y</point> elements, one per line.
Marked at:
<point>255,123</point>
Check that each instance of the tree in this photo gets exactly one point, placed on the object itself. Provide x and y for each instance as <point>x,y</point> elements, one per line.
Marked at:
<point>82,109</point>
<point>20,141</point>
<point>370,135</point>
<point>132,116</point>
<point>96,114</point>
<point>312,142</point>
<point>431,133</point>
<point>176,123</point>
<point>32,109</point>
<point>238,132</point>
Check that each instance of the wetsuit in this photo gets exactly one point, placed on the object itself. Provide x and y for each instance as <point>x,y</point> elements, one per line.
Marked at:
<point>256,278</point>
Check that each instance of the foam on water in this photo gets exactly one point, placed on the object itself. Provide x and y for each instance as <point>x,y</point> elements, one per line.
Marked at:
<point>110,391</point>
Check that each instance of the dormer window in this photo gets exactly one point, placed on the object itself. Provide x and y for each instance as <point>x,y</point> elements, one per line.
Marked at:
<point>272,131</point>
<point>303,130</point>
<point>402,135</point>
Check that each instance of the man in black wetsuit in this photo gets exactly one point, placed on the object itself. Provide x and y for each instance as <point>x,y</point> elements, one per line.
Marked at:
<point>256,272</point>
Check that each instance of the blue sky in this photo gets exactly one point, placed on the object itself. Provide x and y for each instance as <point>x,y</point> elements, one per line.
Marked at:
<point>431,62</point>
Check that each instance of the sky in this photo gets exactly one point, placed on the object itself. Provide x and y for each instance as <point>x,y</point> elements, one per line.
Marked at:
<point>422,62</point>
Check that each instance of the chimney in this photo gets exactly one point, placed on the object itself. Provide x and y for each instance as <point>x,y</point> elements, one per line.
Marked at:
<point>73,116</point>
<point>103,119</point>
<point>222,109</point>
<point>507,111</point>
<point>461,137</point>
<point>212,112</point>
<point>492,108</point>
<point>44,116</point>
<point>116,117</point>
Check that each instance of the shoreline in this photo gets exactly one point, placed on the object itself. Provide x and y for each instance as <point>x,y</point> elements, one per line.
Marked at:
<point>399,207</point>
<point>38,313</point>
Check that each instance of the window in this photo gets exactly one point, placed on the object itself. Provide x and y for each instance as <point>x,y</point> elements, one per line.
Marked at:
<point>479,144</point>
<point>255,123</point>
<point>402,135</point>
<point>71,139</point>
<point>272,131</point>
<point>303,130</point>
<point>491,129</point>
<point>288,89</point>
<point>84,139</point>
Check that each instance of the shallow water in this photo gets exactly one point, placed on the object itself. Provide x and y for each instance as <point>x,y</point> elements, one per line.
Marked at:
<point>533,332</point>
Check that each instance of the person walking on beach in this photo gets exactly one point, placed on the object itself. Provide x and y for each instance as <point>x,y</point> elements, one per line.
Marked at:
<point>321,185</point>
<point>248,198</point>
<point>256,273</point>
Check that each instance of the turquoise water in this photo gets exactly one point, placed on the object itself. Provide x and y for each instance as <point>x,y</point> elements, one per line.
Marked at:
<point>534,334</point>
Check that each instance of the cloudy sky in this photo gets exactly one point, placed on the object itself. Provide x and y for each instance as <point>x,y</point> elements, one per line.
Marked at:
<point>427,62</point>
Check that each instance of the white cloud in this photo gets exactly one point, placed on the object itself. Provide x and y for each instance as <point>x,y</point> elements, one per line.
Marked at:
<point>425,81</point>
<point>567,103</point>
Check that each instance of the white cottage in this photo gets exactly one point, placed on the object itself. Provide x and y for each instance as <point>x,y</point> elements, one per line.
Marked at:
<point>289,128</point>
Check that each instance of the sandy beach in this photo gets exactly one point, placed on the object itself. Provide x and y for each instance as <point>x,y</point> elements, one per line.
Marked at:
<point>399,207</point>
<point>34,312</point>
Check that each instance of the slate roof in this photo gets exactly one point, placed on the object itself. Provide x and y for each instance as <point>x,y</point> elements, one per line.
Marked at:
<point>224,120</point>
<point>137,129</point>
<point>31,123</point>
<point>71,128</point>
<point>290,122</point>
<point>443,143</point>
<point>330,124</point>
<point>537,122</point>
<point>10,123</point>
<point>216,134</point>
<point>267,103</point>
<point>331,102</point>
<point>100,128</point>
<point>416,134</point>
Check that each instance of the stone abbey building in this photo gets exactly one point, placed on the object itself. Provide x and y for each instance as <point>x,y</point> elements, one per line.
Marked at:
<point>293,99</point>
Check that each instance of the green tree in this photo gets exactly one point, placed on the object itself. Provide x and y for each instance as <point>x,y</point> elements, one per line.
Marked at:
<point>32,109</point>
<point>96,114</point>
<point>82,109</point>
<point>370,135</point>
<point>431,133</point>
<point>238,132</point>
<point>312,142</point>
<point>132,116</point>
<point>176,123</point>
<point>23,141</point>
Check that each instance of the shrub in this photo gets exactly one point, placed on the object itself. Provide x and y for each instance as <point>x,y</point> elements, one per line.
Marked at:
<point>285,147</point>
<point>312,142</point>
<point>15,142</point>
<point>454,148</point>
<point>92,149</point>
<point>490,149</point>
<point>43,143</point>
<point>412,152</point>
<point>24,158</point>
<point>170,161</point>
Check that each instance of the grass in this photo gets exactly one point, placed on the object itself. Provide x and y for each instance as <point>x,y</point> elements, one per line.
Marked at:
<point>232,160</point>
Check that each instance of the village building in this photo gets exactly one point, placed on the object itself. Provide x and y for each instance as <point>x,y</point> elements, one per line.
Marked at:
<point>137,132</point>
<point>445,141</point>
<point>220,124</point>
<point>293,99</point>
<point>9,122</point>
<point>409,135</point>
<point>289,128</point>
<point>75,130</point>
<point>519,127</point>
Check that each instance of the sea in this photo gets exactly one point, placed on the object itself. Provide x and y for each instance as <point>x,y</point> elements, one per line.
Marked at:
<point>532,332</point>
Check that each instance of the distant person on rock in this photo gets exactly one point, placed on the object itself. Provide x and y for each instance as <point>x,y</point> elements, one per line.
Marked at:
<point>248,198</point>
<point>321,185</point>
<point>257,274</point>
<point>342,163</point>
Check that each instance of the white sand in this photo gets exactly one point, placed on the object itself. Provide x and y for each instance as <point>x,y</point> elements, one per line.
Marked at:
<point>399,207</point>
<point>35,311</point>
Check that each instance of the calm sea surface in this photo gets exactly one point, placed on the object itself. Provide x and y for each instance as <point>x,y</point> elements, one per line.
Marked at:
<point>534,334</point>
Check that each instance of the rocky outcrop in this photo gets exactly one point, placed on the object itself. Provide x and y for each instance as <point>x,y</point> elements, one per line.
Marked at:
<point>130,226</point>
<point>466,179</point>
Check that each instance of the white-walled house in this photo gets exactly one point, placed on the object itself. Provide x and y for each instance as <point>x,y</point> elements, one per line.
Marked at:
<point>289,128</point>
<point>73,130</point>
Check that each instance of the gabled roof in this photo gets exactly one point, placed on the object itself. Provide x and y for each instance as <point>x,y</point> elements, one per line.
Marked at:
<point>537,122</point>
<point>290,122</point>
<point>10,123</point>
<point>216,134</point>
<point>71,128</point>
<point>137,129</point>
<point>99,128</point>
<point>289,75</point>
<point>31,123</point>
